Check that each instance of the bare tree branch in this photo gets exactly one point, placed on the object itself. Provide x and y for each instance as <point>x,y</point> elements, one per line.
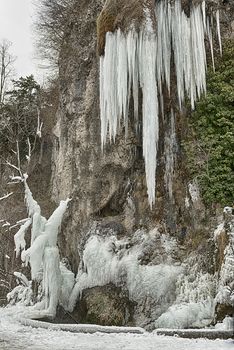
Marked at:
<point>6,67</point>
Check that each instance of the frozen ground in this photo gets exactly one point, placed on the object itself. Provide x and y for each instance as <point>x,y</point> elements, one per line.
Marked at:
<point>15,336</point>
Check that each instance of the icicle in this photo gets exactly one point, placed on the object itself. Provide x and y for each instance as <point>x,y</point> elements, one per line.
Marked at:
<point>51,280</point>
<point>204,13</point>
<point>134,62</point>
<point>144,58</point>
<point>198,50</point>
<point>102,104</point>
<point>163,57</point>
<point>132,40</point>
<point>218,31</point>
<point>210,37</point>
<point>179,26</point>
<point>19,239</point>
<point>122,79</point>
<point>150,111</point>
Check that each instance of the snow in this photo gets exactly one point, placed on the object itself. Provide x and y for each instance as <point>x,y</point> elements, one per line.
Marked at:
<point>142,59</point>
<point>194,191</point>
<point>15,336</point>
<point>186,202</point>
<point>81,328</point>
<point>228,210</point>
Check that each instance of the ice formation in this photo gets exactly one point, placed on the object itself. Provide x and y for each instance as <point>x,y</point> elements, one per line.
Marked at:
<point>187,315</point>
<point>20,242</point>
<point>22,293</point>
<point>108,260</point>
<point>51,280</point>
<point>195,303</point>
<point>142,60</point>
<point>225,293</point>
<point>67,284</point>
<point>198,294</point>
<point>42,255</point>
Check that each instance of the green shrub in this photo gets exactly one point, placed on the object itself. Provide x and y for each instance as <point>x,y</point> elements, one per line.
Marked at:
<point>210,146</point>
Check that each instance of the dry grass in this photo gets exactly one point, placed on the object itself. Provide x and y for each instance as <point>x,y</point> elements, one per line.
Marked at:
<point>121,14</point>
<point>105,23</point>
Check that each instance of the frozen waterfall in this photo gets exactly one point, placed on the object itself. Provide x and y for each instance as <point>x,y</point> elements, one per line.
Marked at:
<point>143,60</point>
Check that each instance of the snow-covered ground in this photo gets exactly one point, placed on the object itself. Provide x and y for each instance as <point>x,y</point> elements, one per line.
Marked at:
<point>15,336</point>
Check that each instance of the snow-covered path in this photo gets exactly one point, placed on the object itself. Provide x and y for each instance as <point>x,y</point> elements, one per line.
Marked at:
<point>14,336</point>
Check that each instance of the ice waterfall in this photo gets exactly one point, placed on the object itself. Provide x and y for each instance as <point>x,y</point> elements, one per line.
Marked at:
<point>142,59</point>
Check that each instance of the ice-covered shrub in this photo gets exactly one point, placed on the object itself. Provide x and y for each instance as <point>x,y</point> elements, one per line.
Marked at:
<point>22,293</point>
<point>194,306</point>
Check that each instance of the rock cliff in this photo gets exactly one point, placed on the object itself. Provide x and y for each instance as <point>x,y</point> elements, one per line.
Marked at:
<point>137,260</point>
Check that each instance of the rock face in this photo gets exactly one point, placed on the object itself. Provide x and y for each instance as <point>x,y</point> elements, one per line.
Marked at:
<point>107,306</point>
<point>109,188</point>
<point>81,171</point>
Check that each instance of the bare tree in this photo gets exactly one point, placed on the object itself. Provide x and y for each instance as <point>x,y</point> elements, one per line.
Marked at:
<point>52,18</point>
<point>6,67</point>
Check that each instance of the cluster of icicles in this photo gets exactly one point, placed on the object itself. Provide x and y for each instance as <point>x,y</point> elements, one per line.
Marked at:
<point>142,59</point>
